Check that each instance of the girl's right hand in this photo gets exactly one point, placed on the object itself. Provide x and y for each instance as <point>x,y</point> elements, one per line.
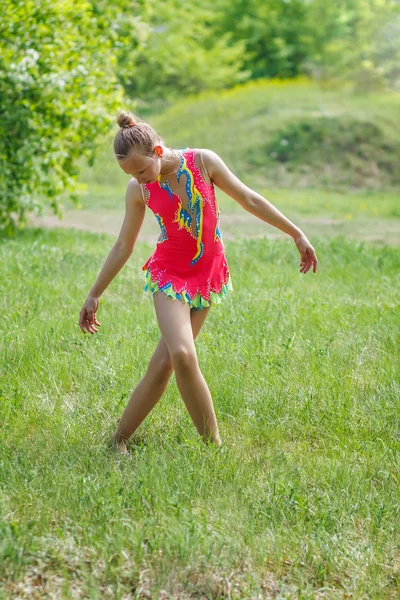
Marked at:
<point>87,316</point>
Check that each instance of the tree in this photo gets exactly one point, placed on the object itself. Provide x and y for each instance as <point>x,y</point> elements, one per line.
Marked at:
<point>179,52</point>
<point>275,33</point>
<point>58,96</point>
<point>357,41</point>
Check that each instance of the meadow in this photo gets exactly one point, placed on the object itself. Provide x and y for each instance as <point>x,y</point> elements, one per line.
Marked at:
<point>303,499</point>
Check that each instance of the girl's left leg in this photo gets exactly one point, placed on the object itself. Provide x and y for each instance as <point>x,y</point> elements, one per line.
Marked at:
<point>174,322</point>
<point>151,387</point>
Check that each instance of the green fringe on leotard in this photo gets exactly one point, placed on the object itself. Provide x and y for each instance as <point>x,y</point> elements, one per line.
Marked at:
<point>197,302</point>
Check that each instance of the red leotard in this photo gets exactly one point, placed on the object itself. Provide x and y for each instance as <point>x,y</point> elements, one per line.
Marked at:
<point>189,262</point>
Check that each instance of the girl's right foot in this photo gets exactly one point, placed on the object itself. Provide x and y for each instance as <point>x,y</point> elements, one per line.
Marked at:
<point>118,444</point>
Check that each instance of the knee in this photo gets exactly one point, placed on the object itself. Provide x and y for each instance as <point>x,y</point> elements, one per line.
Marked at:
<point>183,358</point>
<point>160,368</point>
<point>164,368</point>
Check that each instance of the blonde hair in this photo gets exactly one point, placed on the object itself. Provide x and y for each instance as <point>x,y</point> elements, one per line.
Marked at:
<point>134,136</point>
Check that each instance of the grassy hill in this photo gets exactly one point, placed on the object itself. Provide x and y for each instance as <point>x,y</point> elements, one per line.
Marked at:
<point>325,157</point>
<point>284,133</point>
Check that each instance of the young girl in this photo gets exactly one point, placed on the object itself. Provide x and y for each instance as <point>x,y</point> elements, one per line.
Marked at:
<point>188,271</point>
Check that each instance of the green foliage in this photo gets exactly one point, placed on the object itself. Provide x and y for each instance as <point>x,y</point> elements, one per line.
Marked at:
<point>64,68</point>
<point>276,34</point>
<point>351,149</point>
<point>58,90</point>
<point>179,53</point>
<point>356,40</point>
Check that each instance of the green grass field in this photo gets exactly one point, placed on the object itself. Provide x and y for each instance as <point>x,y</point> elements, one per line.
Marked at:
<point>303,500</point>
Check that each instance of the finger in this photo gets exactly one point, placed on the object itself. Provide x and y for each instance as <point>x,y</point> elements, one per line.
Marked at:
<point>82,318</point>
<point>307,265</point>
<point>303,265</point>
<point>310,263</point>
<point>88,326</point>
<point>92,327</point>
<point>96,322</point>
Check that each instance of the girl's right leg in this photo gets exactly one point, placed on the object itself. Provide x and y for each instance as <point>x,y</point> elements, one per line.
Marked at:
<point>152,385</point>
<point>174,321</point>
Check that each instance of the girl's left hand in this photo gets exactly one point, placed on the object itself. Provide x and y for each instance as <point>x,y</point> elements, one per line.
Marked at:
<point>307,253</point>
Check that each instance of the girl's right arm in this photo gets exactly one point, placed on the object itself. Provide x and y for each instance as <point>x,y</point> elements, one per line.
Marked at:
<point>135,209</point>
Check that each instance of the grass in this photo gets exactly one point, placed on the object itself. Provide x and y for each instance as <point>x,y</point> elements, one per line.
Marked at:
<point>303,502</point>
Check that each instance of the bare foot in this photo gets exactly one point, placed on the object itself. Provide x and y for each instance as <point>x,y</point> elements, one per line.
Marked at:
<point>118,444</point>
<point>212,440</point>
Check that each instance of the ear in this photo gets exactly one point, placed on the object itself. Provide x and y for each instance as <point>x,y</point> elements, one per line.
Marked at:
<point>159,151</point>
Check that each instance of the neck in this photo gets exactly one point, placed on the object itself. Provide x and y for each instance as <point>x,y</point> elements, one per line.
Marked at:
<point>170,162</point>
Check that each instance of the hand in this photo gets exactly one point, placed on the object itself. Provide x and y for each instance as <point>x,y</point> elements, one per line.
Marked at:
<point>87,316</point>
<point>307,253</point>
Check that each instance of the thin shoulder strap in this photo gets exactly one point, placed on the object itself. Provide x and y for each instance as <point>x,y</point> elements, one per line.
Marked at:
<point>141,191</point>
<point>204,169</point>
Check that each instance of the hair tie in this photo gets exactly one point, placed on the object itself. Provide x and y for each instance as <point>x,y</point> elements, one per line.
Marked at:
<point>131,124</point>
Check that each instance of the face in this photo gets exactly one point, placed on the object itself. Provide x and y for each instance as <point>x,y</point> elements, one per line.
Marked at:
<point>143,168</point>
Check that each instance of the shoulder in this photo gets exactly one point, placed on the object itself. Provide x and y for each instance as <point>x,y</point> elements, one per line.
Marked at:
<point>209,156</point>
<point>211,161</point>
<point>134,192</point>
<point>226,180</point>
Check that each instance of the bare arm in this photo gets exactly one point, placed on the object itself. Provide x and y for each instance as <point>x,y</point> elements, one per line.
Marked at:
<point>134,215</point>
<point>245,196</point>
<point>258,206</point>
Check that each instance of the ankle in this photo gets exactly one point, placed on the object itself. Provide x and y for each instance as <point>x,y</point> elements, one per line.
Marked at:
<point>119,444</point>
<point>209,438</point>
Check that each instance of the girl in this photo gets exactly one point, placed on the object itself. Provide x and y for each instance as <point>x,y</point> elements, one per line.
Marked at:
<point>188,264</point>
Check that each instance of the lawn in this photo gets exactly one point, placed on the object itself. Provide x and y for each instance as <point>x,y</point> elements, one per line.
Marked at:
<point>302,501</point>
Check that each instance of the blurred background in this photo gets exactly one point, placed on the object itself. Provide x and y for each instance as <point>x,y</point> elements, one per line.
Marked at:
<point>300,98</point>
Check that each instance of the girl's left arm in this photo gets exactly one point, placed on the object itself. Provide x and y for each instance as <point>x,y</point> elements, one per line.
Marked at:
<point>258,206</point>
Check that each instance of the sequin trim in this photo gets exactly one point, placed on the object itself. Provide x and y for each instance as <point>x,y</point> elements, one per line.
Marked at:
<point>163,235</point>
<point>198,301</point>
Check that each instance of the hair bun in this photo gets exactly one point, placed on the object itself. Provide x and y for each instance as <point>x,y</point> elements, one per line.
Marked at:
<point>126,119</point>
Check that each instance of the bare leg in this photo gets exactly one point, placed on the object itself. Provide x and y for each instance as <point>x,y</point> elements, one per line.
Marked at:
<point>152,386</point>
<point>174,322</point>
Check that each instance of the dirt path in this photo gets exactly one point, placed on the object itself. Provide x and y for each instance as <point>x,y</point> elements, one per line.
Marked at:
<point>233,225</point>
